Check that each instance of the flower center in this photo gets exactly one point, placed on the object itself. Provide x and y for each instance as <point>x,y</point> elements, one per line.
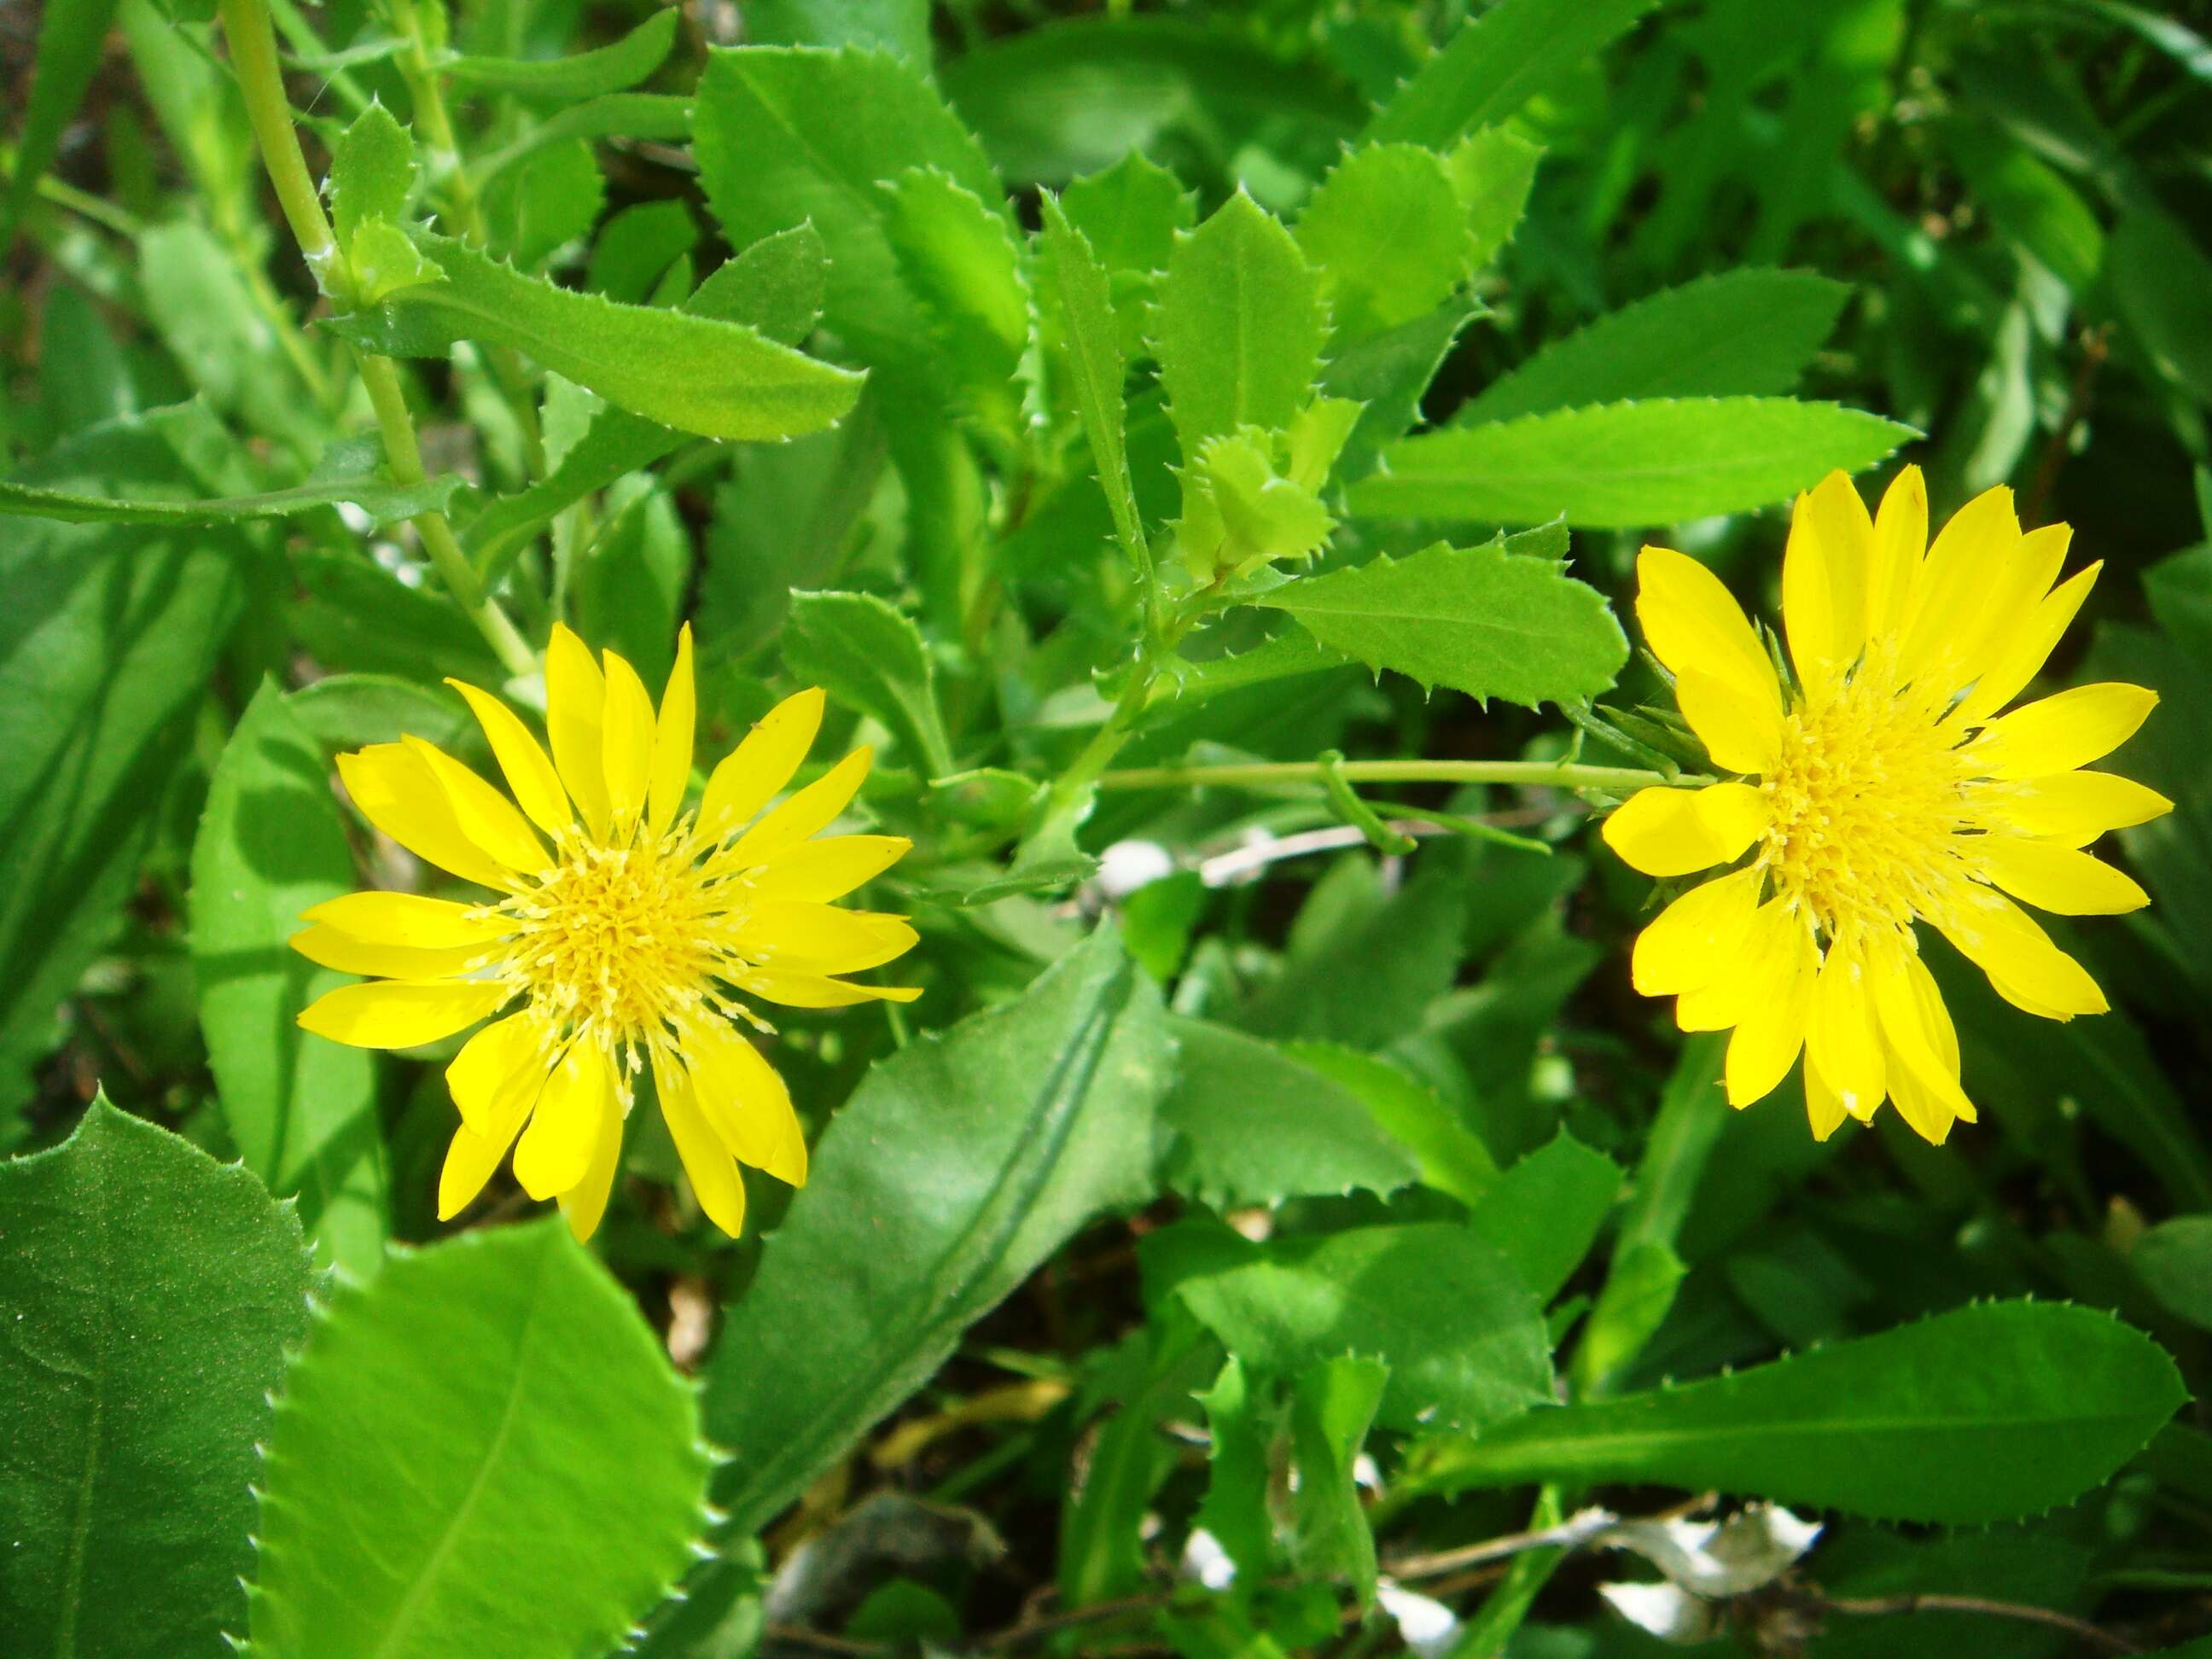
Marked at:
<point>1865,807</point>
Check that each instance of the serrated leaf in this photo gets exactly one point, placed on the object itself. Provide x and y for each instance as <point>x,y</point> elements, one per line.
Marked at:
<point>1488,621</point>
<point>151,1295</point>
<point>959,258</point>
<point>1452,1157</point>
<point>637,246</point>
<point>1748,332</point>
<point>1462,1335</point>
<point>1147,1380</point>
<point>1544,1213</point>
<point>347,473</point>
<point>1254,1126</point>
<point>1235,1510</point>
<point>1130,212</point>
<point>1079,284</point>
<point>1293,652</point>
<point>1620,466</point>
<point>302,1112</point>
<point>1496,64</point>
<point>372,172</point>
<point>1388,372</point>
<point>497,1387</point>
<point>1330,1415</point>
<point>869,657</point>
<point>959,1164</point>
<point>550,200</point>
<point>581,75</point>
<point>898,27</point>
<point>1982,1414</point>
<point>1241,326</point>
<point>719,379</point>
<point>1493,171</point>
<point>1388,234</point>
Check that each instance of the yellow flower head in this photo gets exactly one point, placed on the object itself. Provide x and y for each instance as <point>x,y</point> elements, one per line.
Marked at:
<point>623,923</point>
<point>1882,789</point>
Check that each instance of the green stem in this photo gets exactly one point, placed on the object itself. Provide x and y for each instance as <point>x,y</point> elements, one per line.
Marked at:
<point>254,56</point>
<point>1528,774</point>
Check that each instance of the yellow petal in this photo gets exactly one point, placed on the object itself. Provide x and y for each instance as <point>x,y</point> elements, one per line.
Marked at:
<point>485,816</point>
<point>626,741</point>
<point>1695,936</point>
<point>707,1161</point>
<point>349,955</point>
<point>800,990</point>
<point>1745,977</point>
<point>393,1014</point>
<point>584,1203</point>
<point>471,1161</point>
<point>396,791</point>
<point>671,738</point>
<point>1901,540</point>
<point>1672,832</point>
<point>1742,733</point>
<point>755,771</point>
<point>522,760</point>
<point>1824,580</point>
<point>1922,1044</point>
<point>576,715</point>
<point>803,813</point>
<point>2010,606</point>
<point>1824,1107</point>
<point>2016,659</point>
<point>2073,808</point>
<point>2058,878</point>
<point>2063,731</point>
<point>557,1148</point>
<point>1967,560</point>
<point>1841,1041</point>
<point>745,1101</point>
<point>2026,968</point>
<point>821,939</point>
<point>826,870</point>
<point>1692,622</point>
<point>1772,1029</point>
<point>496,1078</point>
<point>409,919</point>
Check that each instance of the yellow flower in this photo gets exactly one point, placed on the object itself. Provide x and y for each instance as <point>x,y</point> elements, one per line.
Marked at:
<point>1882,789</point>
<point>624,929</point>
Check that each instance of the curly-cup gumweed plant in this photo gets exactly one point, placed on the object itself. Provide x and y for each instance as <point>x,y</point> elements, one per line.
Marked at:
<point>1107,734</point>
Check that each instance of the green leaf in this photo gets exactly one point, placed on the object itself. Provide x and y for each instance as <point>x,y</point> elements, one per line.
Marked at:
<point>2162,282</point>
<point>1238,1438</point>
<point>548,202</point>
<point>769,160</point>
<point>1748,332</point>
<point>1387,233</point>
<point>1493,171</point>
<point>198,298</point>
<point>372,172</point>
<point>352,711</point>
<point>1148,1380</point>
<point>354,615</point>
<point>959,258</point>
<point>1982,1414</point>
<point>2029,201</point>
<point>1634,1302</point>
<point>637,246</point>
<point>1086,299</point>
<point>105,644</point>
<point>71,40</point>
<point>301,1111</point>
<point>898,27</point>
<point>627,590</point>
<point>719,379</point>
<point>1330,1415</point>
<point>151,1295</point>
<point>1130,212</point>
<point>1254,1126</point>
<point>959,1166</point>
<point>618,115</point>
<point>1293,652</point>
<point>1544,1213</point>
<point>495,1388</point>
<point>348,472</point>
<point>1241,324</point>
<point>868,656</point>
<point>1452,1157</point>
<point>583,75</point>
<point>1490,621</point>
<point>1620,466</point>
<point>1388,372</point>
<point>1463,1336</point>
<point>1496,64</point>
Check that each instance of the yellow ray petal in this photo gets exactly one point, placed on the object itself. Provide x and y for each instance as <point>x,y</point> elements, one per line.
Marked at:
<point>821,939</point>
<point>397,791</point>
<point>2026,968</point>
<point>757,770</point>
<point>1823,572</point>
<point>1772,1029</point>
<point>575,716</point>
<point>626,741</point>
<point>826,869</point>
<point>557,1148</point>
<point>1841,1041</point>
<point>409,919</point>
<point>2017,659</point>
<point>1824,1107</point>
<point>1694,937</point>
<point>1742,733</point>
<point>1672,832</point>
<point>584,1203</point>
<point>2010,606</point>
<point>1922,1045</point>
<point>803,813</point>
<point>1745,978</point>
<point>746,1100</point>
<point>1900,541</point>
<point>671,738</point>
<point>1692,622</point>
<point>798,990</point>
<point>393,1014</point>
<point>522,760</point>
<point>332,949</point>
<point>1967,561</point>
<point>471,1160</point>
<point>496,1078</point>
<point>707,1161</point>
<point>2073,808</point>
<point>2058,878</point>
<point>485,816</point>
<point>2063,731</point>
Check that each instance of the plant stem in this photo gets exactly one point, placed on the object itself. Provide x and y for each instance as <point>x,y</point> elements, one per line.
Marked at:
<point>1528,774</point>
<point>253,56</point>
